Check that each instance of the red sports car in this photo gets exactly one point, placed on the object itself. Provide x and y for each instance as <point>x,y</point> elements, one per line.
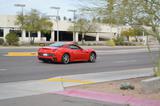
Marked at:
<point>65,52</point>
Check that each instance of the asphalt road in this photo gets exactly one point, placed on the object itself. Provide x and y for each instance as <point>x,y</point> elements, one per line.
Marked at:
<point>13,69</point>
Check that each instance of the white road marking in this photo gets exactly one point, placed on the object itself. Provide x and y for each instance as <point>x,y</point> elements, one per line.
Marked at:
<point>125,61</point>
<point>105,52</point>
<point>3,69</point>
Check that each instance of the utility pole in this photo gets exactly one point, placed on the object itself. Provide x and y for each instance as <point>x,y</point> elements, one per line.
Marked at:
<point>57,20</point>
<point>22,6</point>
<point>22,25</point>
<point>74,18</point>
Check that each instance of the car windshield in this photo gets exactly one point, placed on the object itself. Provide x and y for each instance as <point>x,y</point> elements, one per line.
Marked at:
<point>57,44</point>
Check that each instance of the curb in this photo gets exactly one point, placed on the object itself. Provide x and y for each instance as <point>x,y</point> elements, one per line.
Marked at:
<point>106,76</point>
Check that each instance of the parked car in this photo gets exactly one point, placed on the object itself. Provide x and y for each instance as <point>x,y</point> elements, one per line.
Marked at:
<point>65,52</point>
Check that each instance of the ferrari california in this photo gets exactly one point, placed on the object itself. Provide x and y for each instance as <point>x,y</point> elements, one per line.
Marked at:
<point>65,52</point>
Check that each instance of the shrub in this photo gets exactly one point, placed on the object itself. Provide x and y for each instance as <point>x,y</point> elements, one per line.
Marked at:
<point>129,43</point>
<point>157,73</point>
<point>12,39</point>
<point>126,86</point>
<point>119,40</point>
<point>110,43</point>
<point>1,41</point>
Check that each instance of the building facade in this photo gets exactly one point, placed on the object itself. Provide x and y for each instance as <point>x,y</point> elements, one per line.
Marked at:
<point>7,25</point>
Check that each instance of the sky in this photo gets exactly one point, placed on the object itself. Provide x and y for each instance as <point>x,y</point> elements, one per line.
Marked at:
<point>7,6</point>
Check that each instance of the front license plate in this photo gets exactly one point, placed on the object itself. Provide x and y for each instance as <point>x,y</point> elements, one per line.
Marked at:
<point>45,54</point>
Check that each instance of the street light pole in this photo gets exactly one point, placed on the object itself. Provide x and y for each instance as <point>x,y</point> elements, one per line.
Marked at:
<point>74,18</point>
<point>57,19</point>
<point>22,6</point>
<point>22,24</point>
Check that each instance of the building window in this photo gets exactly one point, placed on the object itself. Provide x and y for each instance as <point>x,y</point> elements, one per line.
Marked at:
<point>33,34</point>
<point>18,32</point>
<point>1,32</point>
<point>43,35</point>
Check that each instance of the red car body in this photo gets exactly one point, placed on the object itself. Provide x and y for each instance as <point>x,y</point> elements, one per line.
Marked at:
<point>61,51</point>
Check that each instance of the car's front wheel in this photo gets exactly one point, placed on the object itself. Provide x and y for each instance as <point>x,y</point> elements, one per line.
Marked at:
<point>65,59</point>
<point>92,57</point>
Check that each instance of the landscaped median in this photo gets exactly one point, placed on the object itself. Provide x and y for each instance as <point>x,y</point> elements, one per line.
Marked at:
<point>21,54</point>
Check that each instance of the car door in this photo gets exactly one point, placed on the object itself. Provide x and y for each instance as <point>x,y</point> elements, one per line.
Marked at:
<point>77,53</point>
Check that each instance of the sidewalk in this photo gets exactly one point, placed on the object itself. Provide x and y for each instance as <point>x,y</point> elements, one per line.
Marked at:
<point>110,97</point>
<point>116,98</point>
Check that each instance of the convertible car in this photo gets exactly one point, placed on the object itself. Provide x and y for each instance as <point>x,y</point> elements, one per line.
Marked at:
<point>65,52</point>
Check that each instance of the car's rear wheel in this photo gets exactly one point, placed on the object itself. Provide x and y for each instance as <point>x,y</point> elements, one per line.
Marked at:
<point>65,59</point>
<point>92,57</point>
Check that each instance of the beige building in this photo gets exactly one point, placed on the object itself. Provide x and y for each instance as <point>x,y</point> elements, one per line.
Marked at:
<point>7,24</point>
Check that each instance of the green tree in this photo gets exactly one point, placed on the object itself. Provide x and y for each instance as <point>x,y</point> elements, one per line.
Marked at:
<point>12,38</point>
<point>127,33</point>
<point>84,26</point>
<point>132,32</point>
<point>1,41</point>
<point>45,26</point>
<point>109,10</point>
<point>119,40</point>
<point>138,31</point>
<point>141,12</point>
<point>20,20</point>
<point>151,10</point>
<point>34,22</point>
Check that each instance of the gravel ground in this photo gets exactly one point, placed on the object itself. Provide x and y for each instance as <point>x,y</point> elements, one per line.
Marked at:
<point>114,87</point>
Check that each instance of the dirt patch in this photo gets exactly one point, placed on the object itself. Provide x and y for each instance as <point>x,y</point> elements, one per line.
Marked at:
<point>114,87</point>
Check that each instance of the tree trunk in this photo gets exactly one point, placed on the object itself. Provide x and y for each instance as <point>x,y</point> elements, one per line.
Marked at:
<point>128,38</point>
<point>29,33</point>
